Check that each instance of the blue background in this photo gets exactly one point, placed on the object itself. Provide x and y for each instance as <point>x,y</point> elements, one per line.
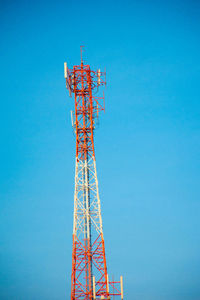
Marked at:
<point>147,144</point>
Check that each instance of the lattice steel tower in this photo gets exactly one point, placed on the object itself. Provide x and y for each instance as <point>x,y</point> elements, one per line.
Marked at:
<point>89,278</point>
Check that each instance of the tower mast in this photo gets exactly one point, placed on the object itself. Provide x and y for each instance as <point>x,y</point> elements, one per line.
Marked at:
<point>89,278</point>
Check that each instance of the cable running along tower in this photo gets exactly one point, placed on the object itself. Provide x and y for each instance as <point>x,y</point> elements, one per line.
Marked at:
<point>89,278</point>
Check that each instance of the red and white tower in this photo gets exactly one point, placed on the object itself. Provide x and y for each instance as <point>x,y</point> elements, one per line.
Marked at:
<point>89,278</point>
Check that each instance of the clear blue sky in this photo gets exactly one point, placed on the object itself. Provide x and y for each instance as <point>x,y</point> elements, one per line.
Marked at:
<point>147,144</point>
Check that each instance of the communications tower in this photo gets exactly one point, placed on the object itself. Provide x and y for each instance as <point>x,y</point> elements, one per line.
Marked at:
<point>89,278</point>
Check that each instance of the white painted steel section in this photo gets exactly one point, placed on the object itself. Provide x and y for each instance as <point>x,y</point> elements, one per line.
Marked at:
<point>98,199</point>
<point>87,204</point>
<point>87,207</point>
<point>75,197</point>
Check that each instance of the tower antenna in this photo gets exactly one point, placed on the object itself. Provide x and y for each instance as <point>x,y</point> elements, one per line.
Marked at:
<point>81,48</point>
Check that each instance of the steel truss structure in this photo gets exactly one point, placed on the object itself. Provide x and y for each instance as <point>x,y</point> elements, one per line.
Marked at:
<point>89,278</point>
